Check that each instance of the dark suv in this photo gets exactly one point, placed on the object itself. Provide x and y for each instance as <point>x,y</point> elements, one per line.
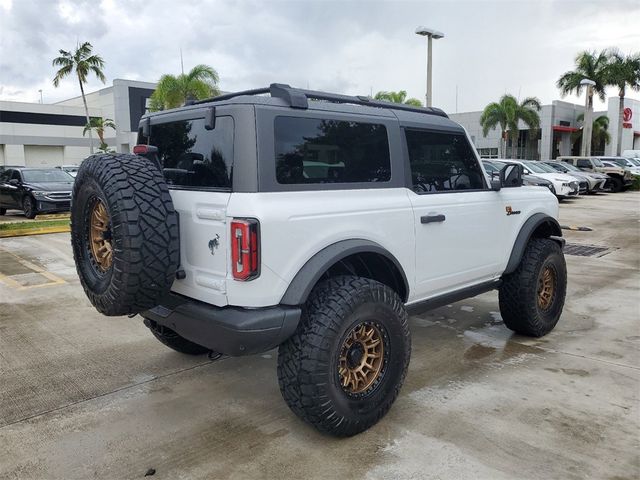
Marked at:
<point>35,190</point>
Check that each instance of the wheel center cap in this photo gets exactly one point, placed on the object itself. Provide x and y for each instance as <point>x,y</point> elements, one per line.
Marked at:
<point>354,355</point>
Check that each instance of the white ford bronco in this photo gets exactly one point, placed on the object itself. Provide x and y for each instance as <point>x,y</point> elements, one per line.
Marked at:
<point>312,222</point>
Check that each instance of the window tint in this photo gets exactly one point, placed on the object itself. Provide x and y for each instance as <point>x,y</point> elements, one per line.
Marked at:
<point>584,163</point>
<point>442,162</point>
<point>192,156</point>
<point>310,150</point>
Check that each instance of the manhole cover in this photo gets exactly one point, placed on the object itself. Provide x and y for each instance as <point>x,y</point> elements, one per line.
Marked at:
<point>586,250</point>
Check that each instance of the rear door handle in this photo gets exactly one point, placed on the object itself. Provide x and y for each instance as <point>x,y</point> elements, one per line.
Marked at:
<point>432,218</point>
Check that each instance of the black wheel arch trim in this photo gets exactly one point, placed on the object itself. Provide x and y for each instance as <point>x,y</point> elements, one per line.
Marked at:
<point>526,232</point>
<point>311,272</point>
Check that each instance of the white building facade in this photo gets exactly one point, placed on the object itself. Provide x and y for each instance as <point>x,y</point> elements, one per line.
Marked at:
<point>35,134</point>
<point>554,137</point>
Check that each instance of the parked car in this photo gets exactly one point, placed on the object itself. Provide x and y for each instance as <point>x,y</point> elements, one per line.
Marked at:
<point>595,181</point>
<point>35,190</point>
<point>564,185</point>
<point>494,166</point>
<point>619,178</point>
<point>313,222</point>
<point>70,169</point>
<point>623,162</point>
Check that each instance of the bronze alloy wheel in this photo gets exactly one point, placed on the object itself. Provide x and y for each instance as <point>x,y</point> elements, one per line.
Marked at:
<point>546,287</point>
<point>100,236</point>
<point>362,358</point>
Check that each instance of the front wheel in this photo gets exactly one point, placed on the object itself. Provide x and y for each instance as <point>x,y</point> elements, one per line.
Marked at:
<point>29,208</point>
<point>617,185</point>
<point>531,298</point>
<point>344,366</point>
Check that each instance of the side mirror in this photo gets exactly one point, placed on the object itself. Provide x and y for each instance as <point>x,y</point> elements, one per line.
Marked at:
<point>14,181</point>
<point>511,175</point>
<point>495,185</point>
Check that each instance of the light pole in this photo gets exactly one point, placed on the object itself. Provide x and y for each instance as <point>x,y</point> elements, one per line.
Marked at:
<point>431,34</point>
<point>587,127</point>
<point>40,91</point>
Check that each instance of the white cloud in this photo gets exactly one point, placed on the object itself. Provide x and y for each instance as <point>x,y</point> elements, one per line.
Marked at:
<point>491,47</point>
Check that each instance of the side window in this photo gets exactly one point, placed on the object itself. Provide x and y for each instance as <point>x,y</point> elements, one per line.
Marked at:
<point>16,176</point>
<point>4,176</point>
<point>192,156</point>
<point>442,162</point>
<point>310,150</point>
<point>584,163</point>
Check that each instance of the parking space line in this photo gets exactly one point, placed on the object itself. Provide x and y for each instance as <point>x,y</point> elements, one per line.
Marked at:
<point>7,280</point>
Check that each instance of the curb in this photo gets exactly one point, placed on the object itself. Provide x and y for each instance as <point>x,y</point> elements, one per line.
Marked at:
<point>23,232</point>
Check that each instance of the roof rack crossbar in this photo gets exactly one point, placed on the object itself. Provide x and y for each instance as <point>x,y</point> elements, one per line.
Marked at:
<point>298,98</point>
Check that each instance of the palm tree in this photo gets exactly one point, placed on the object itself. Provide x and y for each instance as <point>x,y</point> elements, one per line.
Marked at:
<point>398,97</point>
<point>99,124</point>
<point>622,72</point>
<point>589,65</point>
<point>507,113</point>
<point>600,135</point>
<point>201,82</point>
<point>83,62</point>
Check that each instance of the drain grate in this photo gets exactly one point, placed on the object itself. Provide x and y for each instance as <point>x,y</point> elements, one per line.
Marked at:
<point>586,250</point>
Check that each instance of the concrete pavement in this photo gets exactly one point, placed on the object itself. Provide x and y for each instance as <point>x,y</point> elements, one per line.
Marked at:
<point>85,396</point>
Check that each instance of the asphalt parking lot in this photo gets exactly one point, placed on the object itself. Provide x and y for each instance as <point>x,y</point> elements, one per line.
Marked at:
<point>85,396</point>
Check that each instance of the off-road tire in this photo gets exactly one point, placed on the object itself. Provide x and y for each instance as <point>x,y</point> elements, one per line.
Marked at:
<point>3,211</point>
<point>144,235</point>
<point>617,184</point>
<point>519,294</point>
<point>29,207</point>
<point>307,362</point>
<point>174,341</point>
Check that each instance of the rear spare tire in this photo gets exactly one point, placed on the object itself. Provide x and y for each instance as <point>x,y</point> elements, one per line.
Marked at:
<point>124,233</point>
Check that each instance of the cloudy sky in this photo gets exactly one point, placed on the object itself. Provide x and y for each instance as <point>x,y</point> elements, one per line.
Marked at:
<point>354,47</point>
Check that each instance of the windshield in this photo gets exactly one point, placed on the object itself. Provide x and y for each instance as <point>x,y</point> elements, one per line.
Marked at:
<point>557,167</point>
<point>571,167</point>
<point>46,176</point>
<point>635,161</point>
<point>597,162</point>
<point>535,167</point>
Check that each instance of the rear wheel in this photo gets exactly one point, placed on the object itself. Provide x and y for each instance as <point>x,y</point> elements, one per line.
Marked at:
<point>28,207</point>
<point>344,366</point>
<point>174,341</point>
<point>531,298</point>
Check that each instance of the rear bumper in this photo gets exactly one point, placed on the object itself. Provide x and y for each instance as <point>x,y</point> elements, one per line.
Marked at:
<point>229,330</point>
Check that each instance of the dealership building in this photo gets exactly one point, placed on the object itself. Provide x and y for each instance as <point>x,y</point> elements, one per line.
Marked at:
<point>557,122</point>
<point>35,134</point>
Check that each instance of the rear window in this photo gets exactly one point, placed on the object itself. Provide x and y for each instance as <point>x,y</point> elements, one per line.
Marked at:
<point>310,151</point>
<point>191,156</point>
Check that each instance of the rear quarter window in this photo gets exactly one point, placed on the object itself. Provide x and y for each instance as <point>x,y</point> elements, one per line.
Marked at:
<point>193,157</point>
<point>321,151</point>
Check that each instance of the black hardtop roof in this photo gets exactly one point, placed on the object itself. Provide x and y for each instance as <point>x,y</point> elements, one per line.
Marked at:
<point>281,95</point>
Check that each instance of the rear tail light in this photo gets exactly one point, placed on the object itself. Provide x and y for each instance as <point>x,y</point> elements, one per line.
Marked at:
<point>245,249</point>
<point>140,149</point>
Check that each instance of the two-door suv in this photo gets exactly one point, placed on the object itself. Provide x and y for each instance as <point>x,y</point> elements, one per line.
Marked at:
<point>312,222</point>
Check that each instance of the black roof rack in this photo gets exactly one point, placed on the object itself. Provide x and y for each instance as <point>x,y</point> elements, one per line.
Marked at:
<point>298,98</point>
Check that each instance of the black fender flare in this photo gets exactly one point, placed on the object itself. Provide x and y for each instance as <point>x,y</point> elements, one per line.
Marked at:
<point>525,234</point>
<point>304,281</point>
